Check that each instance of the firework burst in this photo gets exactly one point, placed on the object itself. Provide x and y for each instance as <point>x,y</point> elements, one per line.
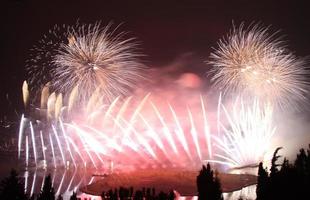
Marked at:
<point>253,63</point>
<point>39,65</point>
<point>89,58</point>
<point>246,136</point>
<point>114,132</point>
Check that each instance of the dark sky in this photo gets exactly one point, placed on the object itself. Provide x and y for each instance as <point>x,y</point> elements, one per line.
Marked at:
<point>166,30</point>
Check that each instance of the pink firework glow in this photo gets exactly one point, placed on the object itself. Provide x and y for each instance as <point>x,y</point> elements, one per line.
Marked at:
<point>177,124</point>
<point>149,132</point>
<point>127,132</point>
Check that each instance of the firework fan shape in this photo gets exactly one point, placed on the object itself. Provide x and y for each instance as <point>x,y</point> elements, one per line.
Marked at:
<point>96,61</point>
<point>253,63</point>
<point>246,134</point>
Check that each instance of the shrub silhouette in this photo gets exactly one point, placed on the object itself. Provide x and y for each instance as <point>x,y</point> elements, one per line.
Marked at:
<point>285,181</point>
<point>208,185</point>
<point>12,188</point>
<point>47,192</point>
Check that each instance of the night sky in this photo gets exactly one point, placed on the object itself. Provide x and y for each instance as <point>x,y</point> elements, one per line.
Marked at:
<point>166,30</point>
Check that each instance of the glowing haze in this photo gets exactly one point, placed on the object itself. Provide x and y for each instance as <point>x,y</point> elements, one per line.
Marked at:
<point>89,115</point>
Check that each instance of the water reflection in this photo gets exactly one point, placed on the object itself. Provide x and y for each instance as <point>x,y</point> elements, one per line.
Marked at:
<point>246,193</point>
<point>64,181</point>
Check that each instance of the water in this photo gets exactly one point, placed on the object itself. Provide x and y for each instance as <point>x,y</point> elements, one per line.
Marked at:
<point>67,181</point>
<point>63,181</point>
<point>247,193</point>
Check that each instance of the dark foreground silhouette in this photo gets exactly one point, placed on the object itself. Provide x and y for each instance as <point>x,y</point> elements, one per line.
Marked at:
<point>208,185</point>
<point>129,193</point>
<point>286,180</point>
<point>283,181</point>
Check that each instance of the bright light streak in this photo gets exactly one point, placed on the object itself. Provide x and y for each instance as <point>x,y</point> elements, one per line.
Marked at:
<point>33,182</point>
<point>206,128</point>
<point>79,133</point>
<point>27,151</point>
<point>59,145</point>
<point>71,180</point>
<point>33,143</point>
<point>194,134</point>
<point>53,151</point>
<point>43,146</point>
<point>67,143</point>
<point>20,134</point>
<point>43,180</point>
<point>180,133</point>
<point>26,181</point>
<point>166,130</point>
<point>61,182</point>
<point>153,134</point>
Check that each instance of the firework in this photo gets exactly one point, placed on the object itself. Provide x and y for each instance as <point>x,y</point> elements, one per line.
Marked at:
<point>34,181</point>
<point>25,93</point>
<point>39,65</point>
<point>95,68</point>
<point>251,62</point>
<point>153,134</point>
<point>113,132</point>
<point>44,96</point>
<point>82,58</point>
<point>51,106</point>
<point>246,137</point>
<point>72,97</point>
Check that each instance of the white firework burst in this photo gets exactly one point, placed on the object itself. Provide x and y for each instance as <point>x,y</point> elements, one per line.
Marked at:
<point>92,59</point>
<point>246,136</point>
<point>253,63</point>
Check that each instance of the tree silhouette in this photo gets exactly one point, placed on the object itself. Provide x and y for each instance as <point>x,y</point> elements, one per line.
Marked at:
<point>217,189</point>
<point>138,195</point>
<point>171,195</point>
<point>208,185</point>
<point>290,181</point>
<point>274,165</point>
<point>47,192</point>
<point>123,193</point>
<point>12,188</point>
<point>302,165</point>
<point>262,183</point>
